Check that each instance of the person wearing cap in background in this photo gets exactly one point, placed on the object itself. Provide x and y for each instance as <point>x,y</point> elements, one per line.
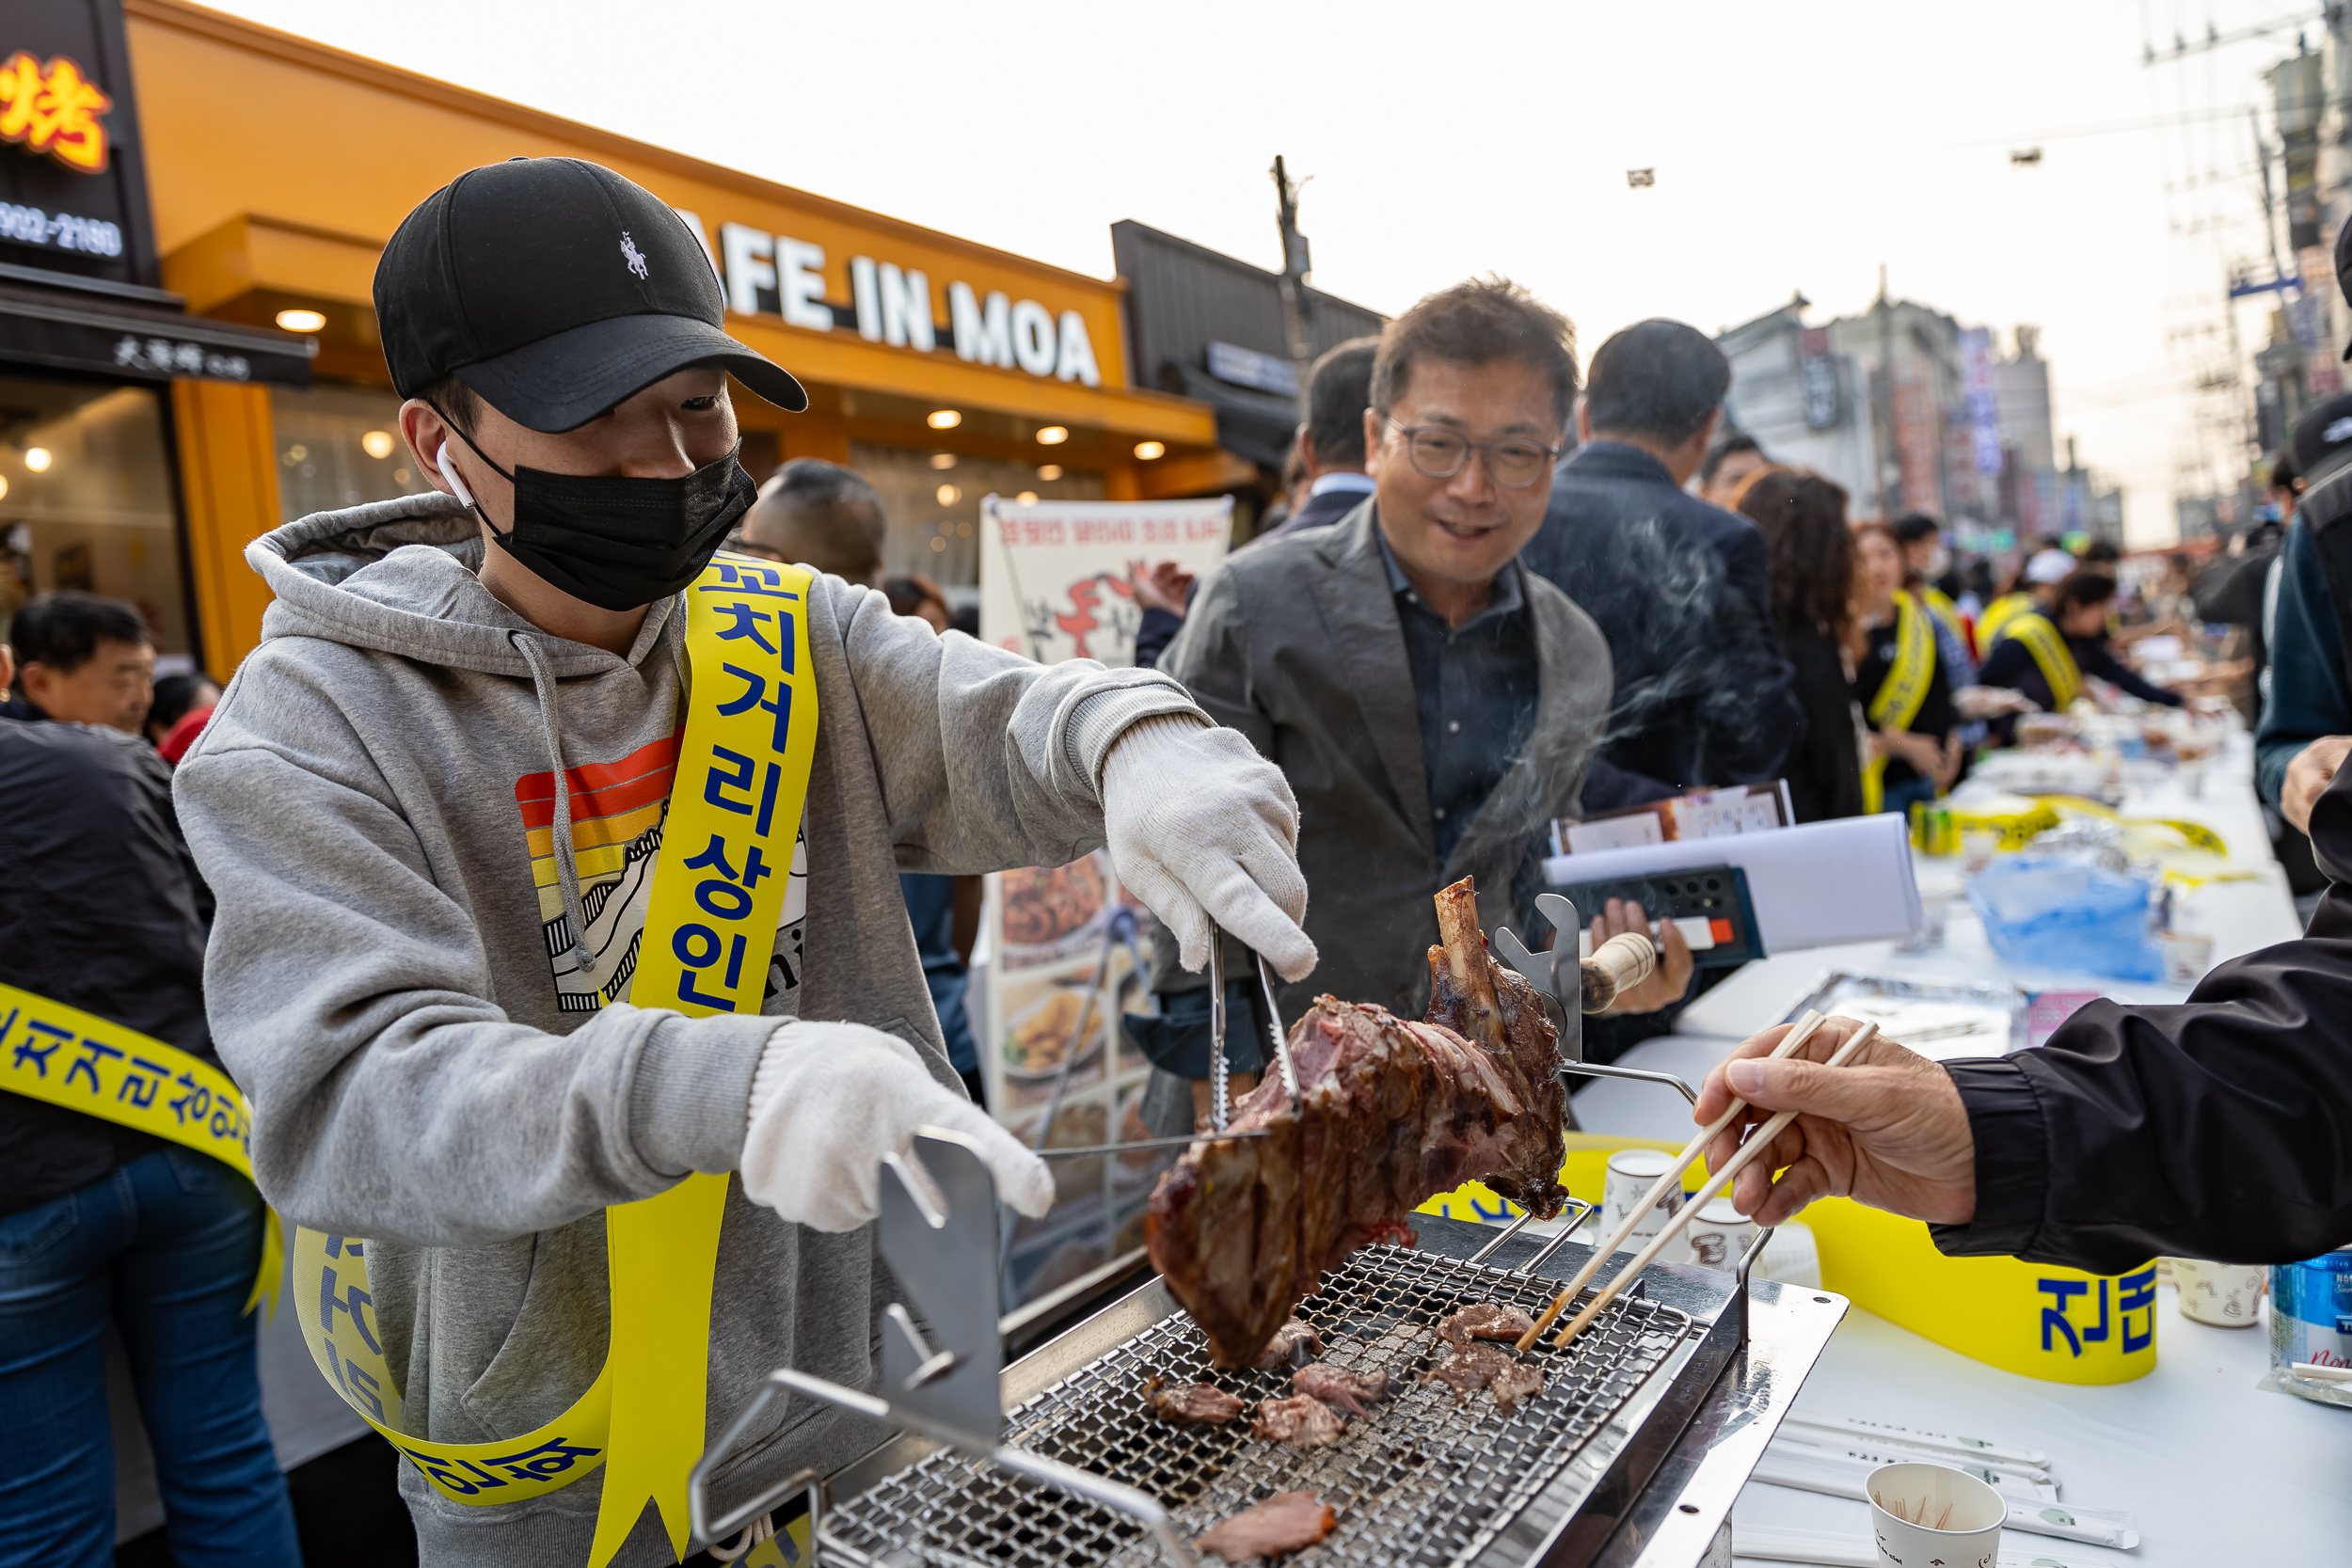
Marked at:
<point>578,1170</point>
<point>2035,591</point>
<point>2305,725</point>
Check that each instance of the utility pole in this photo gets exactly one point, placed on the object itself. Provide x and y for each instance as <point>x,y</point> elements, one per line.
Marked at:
<point>1295,266</point>
<point>1891,474</point>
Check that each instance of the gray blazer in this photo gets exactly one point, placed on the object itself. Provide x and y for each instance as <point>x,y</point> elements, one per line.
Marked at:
<point>1296,644</point>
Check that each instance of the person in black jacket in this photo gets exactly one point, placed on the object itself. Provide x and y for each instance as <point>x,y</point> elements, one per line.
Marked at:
<point>1681,589</point>
<point>1803,518</point>
<point>2079,614</point>
<point>2218,1128</point>
<point>101,909</point>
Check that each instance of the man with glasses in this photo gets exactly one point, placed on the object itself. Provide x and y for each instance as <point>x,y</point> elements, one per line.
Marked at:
<point>1432,705</point>
<point>1681,589</point>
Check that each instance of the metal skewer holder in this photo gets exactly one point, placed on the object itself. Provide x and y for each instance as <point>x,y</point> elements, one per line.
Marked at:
<point>1557,973</point>
<point>937,1228</point>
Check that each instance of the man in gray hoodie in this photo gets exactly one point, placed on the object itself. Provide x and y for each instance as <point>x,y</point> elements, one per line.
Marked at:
<point>431,802</point>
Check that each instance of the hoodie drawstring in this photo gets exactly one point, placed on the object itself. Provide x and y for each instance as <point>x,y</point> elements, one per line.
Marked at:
<point>567,868</point>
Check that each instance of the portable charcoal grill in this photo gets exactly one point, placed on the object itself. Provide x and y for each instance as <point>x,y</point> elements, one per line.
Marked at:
<point>1647,1427</point>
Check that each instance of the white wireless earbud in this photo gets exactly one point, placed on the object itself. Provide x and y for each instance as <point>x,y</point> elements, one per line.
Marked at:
<point>449,471</point>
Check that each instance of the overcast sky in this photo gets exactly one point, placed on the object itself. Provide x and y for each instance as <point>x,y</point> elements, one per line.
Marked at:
<point>1797,147</point>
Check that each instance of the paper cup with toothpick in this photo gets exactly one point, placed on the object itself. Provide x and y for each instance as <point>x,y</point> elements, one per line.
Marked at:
<point>1931,1513</point>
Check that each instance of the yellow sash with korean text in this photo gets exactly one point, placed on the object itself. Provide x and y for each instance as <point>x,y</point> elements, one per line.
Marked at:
<point>2051,656</point>
<point>1998,614</point>
<point>1905,691</point>
<point>64,1056</point>
<point>716,901</point>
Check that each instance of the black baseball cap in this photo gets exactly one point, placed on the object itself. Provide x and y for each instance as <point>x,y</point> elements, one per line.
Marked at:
<point>555,288</point>
<point>2323,439</point>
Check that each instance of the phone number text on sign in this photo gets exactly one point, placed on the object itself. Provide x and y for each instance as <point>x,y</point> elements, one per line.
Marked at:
<point>1050,531</point>
<point>59,230</point>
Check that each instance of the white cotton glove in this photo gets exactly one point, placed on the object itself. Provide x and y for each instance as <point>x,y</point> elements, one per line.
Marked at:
<point>830,1099</point>
<point>1202,827</point>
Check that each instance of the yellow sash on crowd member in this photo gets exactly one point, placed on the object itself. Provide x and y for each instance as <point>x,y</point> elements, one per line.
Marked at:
<point>2051,655</point>
<point>1905,691</point>
<point>1940,606</point>
<point>712,912</point>
<point>1998,614</point>
<point>89,1064</point>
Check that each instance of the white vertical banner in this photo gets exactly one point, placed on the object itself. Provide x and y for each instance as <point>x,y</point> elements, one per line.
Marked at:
<point>1057,578</point>
<point>1060,946</point>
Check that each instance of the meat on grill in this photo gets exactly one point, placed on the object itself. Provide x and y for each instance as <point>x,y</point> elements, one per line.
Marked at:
<point>1201,1402</point>
<point>1302,1420</point>
<point>1286,1522</point>
<point>1483,1320</point>
<point>1393,1113</point>
<point>1473,1366</point>
<point>1341,1389</point>
<point>1287,1338</point>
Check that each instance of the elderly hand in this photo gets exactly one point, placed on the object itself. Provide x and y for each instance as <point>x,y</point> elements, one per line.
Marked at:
<point>1669,980</point>
<point>1202,828</point>
<point>1887,1129</point>
<point>2307,778</point>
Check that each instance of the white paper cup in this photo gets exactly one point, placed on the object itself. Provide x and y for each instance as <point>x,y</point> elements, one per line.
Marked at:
<point>2227,1295</point>
<point>1631,1174</point>
<point>1921,1514</point>
<point>1718,1235</point>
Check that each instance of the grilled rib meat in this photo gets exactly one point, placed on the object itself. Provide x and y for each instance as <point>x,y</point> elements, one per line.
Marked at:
<point>1286,1522</point>
<point>1302,1420</point>
<point>1341,1389</point>
<point>1393,1114</point>
<point>1474,1367</point>
<point>1483,1320</point>
<point>1286,1338</point>
<point>1202,1403</point>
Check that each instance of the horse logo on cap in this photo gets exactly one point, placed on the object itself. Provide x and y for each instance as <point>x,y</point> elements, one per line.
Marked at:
<point>630,254</point>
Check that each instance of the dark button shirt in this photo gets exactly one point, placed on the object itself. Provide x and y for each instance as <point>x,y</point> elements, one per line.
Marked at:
<point>1475,690</point>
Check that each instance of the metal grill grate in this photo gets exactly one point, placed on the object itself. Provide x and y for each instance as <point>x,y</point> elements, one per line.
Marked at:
<point>1428,1479</point>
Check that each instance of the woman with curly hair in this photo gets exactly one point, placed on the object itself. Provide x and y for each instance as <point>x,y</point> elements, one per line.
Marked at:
<point>1803,518</point>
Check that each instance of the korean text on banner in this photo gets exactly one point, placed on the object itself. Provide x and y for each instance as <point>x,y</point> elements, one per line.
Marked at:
<point>1057,578</point>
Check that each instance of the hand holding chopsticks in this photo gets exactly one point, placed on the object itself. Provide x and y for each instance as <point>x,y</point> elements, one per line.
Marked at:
<point>1790,1043</point>
<point>1758,1144</point>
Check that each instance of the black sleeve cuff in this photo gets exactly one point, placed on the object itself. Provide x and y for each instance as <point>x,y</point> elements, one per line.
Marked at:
<point>2013,1161</point>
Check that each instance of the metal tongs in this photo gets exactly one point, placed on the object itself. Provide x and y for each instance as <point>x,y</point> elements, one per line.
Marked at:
<point>1219,1070</point>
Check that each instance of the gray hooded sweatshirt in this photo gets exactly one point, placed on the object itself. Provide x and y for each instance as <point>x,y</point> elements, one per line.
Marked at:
<point>397,978</point>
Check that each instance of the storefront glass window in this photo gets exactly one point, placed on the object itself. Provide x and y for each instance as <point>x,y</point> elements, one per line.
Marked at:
<point>86,502</point>
<point>933,500</point>
<point>338,447</point>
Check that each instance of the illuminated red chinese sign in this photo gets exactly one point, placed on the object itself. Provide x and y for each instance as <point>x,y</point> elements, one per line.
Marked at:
<point>54,109</point>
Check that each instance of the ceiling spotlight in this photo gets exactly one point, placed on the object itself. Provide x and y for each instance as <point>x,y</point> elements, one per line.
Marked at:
<point>1053,435</point>
<point>301,321</point>
<point>1049,471</point>
<point>37,459</point>
<point>1027,498</point>
<point>944,419</point>
<point>943,460</point>
<point>376,443</point>
<point>1146,450</point>
<point>949,494</point>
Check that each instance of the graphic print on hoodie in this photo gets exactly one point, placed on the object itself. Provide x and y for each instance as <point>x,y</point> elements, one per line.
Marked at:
<point>618,813</point>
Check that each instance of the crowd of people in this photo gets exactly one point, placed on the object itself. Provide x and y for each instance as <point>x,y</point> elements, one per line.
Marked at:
<point>402,888</point>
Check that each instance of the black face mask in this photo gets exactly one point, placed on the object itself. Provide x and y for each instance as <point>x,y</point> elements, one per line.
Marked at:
<point>620,544</point>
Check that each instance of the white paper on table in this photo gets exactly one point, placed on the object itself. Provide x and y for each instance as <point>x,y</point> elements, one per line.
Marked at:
<point>1830,1550</point>
<point>1819,884</point>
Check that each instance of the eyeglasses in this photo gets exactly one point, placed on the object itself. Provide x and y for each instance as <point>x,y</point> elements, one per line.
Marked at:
<point>1440,453</point>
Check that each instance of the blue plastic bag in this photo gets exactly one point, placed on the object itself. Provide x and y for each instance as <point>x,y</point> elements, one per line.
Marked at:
<point>2052,914</point>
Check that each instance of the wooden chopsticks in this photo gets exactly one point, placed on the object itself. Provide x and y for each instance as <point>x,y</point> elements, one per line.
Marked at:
<point>1758,1141</point>
<point>1792,1043</point>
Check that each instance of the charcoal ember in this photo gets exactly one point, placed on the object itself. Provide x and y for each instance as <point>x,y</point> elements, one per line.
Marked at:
<point>1483,1320</point>
<point>1393,1113</point>
<point>1202,1403</point>
<point>1302,1420</point>
<point>1287,1338</point>
<point>1341,1389</point>
<point>1286,1522</point>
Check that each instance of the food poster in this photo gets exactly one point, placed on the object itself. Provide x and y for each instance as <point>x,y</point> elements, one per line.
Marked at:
<point>1057,578</point>
<point>1055,932</point>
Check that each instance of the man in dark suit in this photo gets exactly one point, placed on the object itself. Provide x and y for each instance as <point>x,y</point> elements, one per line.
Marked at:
<point>1331,442</point>
<point>1681,589</point>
